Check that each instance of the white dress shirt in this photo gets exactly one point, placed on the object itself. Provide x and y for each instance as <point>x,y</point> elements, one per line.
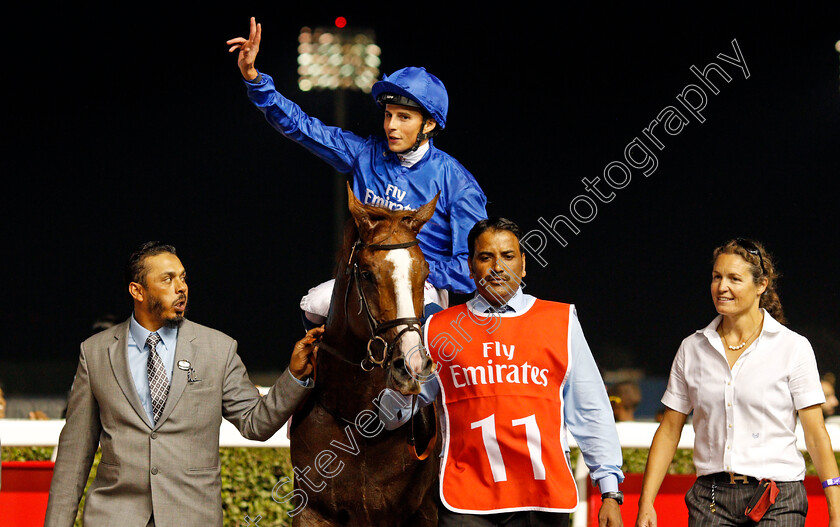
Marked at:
<point>745,417</point>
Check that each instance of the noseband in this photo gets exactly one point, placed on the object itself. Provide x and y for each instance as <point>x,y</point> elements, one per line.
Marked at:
<point>377,341</point>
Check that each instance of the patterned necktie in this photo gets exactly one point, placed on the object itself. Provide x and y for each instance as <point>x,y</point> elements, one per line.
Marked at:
<point>158,383</point>
<point>501,309</point>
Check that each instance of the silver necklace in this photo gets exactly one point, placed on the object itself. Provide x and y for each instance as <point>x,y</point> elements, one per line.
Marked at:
<point>741,345</point>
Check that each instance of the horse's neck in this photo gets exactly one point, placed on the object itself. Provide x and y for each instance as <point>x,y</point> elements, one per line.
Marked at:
<point>344,388</point>
<point>342,382</point>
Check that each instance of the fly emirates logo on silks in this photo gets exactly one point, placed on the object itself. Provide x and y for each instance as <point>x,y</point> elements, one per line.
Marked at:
<point>500,368</point>
<point>392,199</point>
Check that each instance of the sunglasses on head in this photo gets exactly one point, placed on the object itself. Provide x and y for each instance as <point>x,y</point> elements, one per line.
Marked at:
<point>753,249</point>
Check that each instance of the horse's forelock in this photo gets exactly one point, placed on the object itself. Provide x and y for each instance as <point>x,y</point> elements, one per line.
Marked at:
<point>386,224</point>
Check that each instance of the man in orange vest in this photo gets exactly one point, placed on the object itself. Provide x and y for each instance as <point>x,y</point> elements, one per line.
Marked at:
<point>514,375</point>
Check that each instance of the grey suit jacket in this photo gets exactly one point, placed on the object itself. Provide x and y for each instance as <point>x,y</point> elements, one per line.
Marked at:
<point>171,469</point>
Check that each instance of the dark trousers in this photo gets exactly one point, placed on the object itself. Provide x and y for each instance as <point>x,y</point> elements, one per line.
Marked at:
<point>731,501</point>
<point>506,519</point>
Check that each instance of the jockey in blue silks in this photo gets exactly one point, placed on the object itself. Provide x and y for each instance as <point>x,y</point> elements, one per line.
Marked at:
<point>402,170</point>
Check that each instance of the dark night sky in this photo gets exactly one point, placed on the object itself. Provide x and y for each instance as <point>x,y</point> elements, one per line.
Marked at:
<point>124,128</point>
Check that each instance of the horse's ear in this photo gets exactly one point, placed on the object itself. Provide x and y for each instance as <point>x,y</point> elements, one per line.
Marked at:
<point>423,214</point>
<point>358,211</point>
<point>352,202</point>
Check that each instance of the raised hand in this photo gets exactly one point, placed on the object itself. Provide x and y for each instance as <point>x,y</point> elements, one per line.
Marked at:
<point>248,49</point>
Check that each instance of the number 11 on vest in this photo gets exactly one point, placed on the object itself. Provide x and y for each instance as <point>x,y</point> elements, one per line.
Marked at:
<point>494,454</point>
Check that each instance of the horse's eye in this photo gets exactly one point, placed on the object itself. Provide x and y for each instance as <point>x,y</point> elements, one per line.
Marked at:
<point>367,275</point>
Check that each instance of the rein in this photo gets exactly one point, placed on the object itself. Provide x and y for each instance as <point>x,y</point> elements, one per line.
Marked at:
<point>412,442</point>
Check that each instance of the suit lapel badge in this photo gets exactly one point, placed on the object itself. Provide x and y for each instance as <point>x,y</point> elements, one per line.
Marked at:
<point>187,367</point>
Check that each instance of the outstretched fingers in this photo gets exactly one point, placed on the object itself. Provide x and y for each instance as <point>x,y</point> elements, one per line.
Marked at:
<point>248,49</point>
<point>253,40</point>
<point>255,32</point>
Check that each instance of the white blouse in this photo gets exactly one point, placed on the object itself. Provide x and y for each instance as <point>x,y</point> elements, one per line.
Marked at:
<point>745,418</point>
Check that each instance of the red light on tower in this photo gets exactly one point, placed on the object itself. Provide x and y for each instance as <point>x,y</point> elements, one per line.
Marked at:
<point>340,22</point>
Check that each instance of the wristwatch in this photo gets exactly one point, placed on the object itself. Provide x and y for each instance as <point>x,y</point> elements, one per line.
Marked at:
<point>617,496</point>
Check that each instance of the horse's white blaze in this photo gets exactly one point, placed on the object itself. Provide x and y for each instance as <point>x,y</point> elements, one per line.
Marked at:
<point>410,344</point>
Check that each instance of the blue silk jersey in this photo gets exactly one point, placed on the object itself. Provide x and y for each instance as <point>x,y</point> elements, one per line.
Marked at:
<point>379,179</point>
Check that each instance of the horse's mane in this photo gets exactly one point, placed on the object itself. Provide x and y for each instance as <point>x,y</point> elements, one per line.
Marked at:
<point>351,234</point>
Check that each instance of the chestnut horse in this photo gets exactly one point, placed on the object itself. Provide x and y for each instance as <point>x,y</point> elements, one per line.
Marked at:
<point>348,469</point>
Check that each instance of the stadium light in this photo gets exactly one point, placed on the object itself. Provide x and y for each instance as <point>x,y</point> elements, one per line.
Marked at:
<point>339,58</point>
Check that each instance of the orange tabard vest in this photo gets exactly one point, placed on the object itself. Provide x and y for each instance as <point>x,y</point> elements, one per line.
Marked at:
<point>501,385</point>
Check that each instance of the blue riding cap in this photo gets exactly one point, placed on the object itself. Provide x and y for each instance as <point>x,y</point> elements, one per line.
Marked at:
<point>417,85</point>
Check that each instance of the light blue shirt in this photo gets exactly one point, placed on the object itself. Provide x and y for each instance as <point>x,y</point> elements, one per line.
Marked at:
<point>138,357</point>
<point>586,409</point>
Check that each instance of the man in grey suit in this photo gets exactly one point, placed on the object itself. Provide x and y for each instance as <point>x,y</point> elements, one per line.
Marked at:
<point>152,392</point>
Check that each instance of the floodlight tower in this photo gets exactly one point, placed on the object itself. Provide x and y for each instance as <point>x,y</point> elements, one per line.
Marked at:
<point>338,59</point>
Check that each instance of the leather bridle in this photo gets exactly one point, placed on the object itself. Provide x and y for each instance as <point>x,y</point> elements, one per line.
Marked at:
<point>381,356</point>
<point>376,329</point>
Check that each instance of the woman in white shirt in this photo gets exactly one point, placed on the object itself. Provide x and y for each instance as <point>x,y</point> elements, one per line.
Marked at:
<point>746,377</point>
